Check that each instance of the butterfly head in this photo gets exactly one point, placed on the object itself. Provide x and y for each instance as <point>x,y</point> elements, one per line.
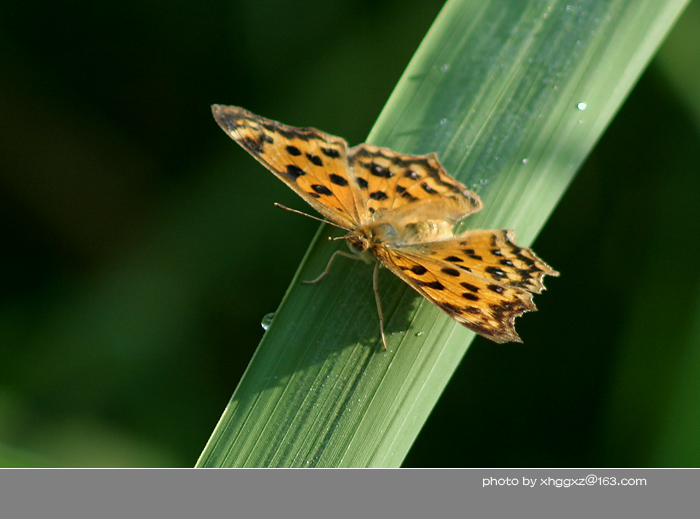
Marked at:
<point>358,239</point>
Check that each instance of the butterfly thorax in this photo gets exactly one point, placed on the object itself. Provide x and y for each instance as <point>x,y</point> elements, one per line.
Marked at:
<point>398,233</point>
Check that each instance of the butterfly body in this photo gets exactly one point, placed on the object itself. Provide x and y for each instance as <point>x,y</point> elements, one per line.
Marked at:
<point>392,234</point>
<point>402,209</point>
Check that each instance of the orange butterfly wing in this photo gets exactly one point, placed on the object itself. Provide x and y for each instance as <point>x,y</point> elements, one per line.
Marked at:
<point>480,278</point>
<point>313,163</point>
<point>392,181</point>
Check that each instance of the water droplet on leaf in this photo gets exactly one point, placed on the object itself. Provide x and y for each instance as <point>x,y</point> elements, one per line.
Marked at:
<point>267,320</point>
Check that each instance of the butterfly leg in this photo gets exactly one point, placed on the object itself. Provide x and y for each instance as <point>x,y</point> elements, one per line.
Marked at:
<point>328,266</point>
<point>375,284</point>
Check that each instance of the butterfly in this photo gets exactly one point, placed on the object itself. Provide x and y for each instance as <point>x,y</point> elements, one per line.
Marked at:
<point>402,209</point>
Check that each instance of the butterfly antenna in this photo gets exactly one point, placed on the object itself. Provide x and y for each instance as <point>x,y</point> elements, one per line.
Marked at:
<point>280,206</point>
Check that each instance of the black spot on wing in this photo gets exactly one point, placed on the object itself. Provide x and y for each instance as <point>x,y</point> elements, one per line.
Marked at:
<point>293,150</point>
<point>294,172</point>
<point>528,261</point>
<point>496,272</point>
<point>473,255</point>
<point>434,172</point>
<point>525,276</point>
<point>450,271</point>
<point>321,190</point>
<point>314,159</point>
<point>419,269</point>
<point>379,171</point>
<point>378,195</point>
<point>252,145</point>
<point>330,152</point>
<point>450,308</point>
<point>338,180</point>
<point>436,285</point>
<point>361,182</point>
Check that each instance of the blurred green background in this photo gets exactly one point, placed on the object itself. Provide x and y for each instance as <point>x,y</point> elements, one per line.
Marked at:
<point>140,248</point>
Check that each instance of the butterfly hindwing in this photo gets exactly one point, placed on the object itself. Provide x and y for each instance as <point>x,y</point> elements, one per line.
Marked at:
<point>393,181</point>
<point>481,278</point>
<point>492,255</point>
<point>483,305</point>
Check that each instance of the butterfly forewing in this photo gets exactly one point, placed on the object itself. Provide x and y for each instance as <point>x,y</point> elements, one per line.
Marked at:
<point>311,162</point>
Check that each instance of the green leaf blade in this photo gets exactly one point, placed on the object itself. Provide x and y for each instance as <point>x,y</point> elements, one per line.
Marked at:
<point>494,89</point>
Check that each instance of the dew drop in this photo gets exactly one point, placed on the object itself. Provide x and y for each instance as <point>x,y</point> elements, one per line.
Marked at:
<point>420,334</point>
<point>483,182</point>
<point>267,320</point>
<point>443,122</point>
<point>525,161</point>
<point>445,68</point>
<point>582,106</point>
